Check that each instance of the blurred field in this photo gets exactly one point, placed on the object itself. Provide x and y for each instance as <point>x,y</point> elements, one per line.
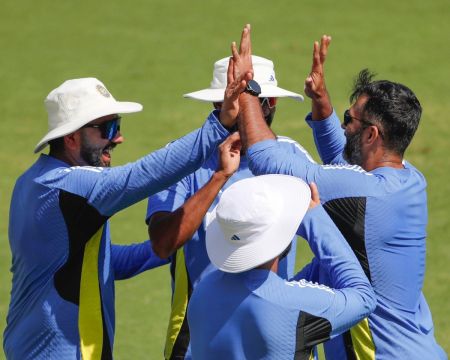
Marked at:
<point>154,51</point>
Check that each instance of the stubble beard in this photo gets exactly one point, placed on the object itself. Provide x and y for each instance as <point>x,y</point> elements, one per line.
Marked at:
<point>92,154</point>
<point>352,149</point>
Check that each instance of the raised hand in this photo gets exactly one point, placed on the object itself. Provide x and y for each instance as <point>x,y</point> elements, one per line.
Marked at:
<point>230,106</point>
<point>243,68</point>
<point>229,155</point>
<point>315,82</point>
<point>240,70</point>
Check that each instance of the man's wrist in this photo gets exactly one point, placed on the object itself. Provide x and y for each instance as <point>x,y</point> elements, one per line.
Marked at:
<point>321,107</point>
<point>221,175</point>
<point>226,123</point>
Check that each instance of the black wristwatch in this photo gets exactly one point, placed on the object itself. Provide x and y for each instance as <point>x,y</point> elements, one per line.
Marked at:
<point>253,88</point>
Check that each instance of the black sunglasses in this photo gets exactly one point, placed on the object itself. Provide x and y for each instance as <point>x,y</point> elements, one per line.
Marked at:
<point>108,129</point>
<point>348,119</point>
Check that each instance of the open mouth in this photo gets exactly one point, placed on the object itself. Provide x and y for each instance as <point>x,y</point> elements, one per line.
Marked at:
<point>106,154</point>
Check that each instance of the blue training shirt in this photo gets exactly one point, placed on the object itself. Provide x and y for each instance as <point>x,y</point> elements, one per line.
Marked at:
<point>383,216</point>
<point>258,315</point>
<point>190,263</point>
<point>63,265</point>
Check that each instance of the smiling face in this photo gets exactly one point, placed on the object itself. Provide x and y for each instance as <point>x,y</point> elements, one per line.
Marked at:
<point>95,150</point>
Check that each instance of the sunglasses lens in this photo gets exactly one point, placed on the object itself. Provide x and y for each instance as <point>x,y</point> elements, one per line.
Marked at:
<point>111,129</point>
<point>347,117</point>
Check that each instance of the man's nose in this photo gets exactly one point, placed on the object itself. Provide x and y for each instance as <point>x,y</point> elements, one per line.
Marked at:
<point>118,139</point>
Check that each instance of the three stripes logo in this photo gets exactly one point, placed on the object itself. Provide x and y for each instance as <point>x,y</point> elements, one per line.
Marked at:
<point>235,237</point>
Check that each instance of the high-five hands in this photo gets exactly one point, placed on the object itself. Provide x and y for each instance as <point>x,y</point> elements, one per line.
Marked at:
<point>240,70</point>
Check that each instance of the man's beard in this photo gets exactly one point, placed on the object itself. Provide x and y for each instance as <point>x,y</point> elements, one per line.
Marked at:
<point>352,149</point>
<point>93,155</point>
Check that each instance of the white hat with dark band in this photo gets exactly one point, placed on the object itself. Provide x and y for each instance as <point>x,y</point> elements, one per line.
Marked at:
<point>264,75</point>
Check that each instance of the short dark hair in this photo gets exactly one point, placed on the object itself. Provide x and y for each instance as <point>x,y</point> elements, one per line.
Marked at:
<point>393,106</point>
<point>56,145</point>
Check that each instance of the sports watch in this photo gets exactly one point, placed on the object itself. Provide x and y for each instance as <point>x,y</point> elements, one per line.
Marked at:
<point>253,88</point>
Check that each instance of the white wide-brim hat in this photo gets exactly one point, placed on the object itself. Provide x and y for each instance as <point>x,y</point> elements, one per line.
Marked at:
<point>255,221</point>
<point>77,102</point>
<point>264,74</point>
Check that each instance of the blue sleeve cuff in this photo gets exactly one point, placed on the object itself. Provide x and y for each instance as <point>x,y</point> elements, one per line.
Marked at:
<point>324,124</point>
<point>213,118</point>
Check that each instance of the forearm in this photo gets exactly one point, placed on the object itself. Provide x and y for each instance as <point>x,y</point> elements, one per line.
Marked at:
<point>170,230</point>
<point>329,137</point>
<point>125,185</point>
<point>251,123</point>
<point>131,260</point>
<point>321,107</point>
<point>332,250</point>
<point>355,297</point>
<point>274,157</point>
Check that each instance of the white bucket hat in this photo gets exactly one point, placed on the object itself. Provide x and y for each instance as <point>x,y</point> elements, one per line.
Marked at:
<point>77,102</point>
<point>264,74</point>
<point>255,220</point>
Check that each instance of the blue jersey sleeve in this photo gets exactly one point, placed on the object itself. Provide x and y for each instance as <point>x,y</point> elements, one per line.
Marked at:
<point>169,199</point>
<point>352,296</point>
<point>131,260</point>
<point>110,190</point>
<point>273,157</point>
<point>329,138</point>
<point>310,272</point>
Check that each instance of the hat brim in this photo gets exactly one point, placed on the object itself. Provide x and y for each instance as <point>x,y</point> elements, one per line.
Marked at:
<point>216,95</point>
<point>88,115</point>
<point>233,257</point>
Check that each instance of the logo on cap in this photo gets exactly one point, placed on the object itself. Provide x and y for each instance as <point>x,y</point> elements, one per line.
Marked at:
<point>102,90</point>
<point>235,237</point>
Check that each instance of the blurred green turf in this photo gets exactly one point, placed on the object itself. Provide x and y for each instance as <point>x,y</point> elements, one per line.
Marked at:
<point>154,51</point>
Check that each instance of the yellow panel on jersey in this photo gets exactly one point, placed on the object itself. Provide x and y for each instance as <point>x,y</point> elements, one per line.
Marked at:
<point>179,303</point>
<point>363,341</point>
<point>90,320</point>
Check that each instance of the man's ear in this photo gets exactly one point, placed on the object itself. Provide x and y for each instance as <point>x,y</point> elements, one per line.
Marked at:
<point>371,135</point>
<point>72,141</point>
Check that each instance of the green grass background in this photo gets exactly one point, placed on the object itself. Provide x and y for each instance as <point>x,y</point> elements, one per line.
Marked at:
<point>154,51</point>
